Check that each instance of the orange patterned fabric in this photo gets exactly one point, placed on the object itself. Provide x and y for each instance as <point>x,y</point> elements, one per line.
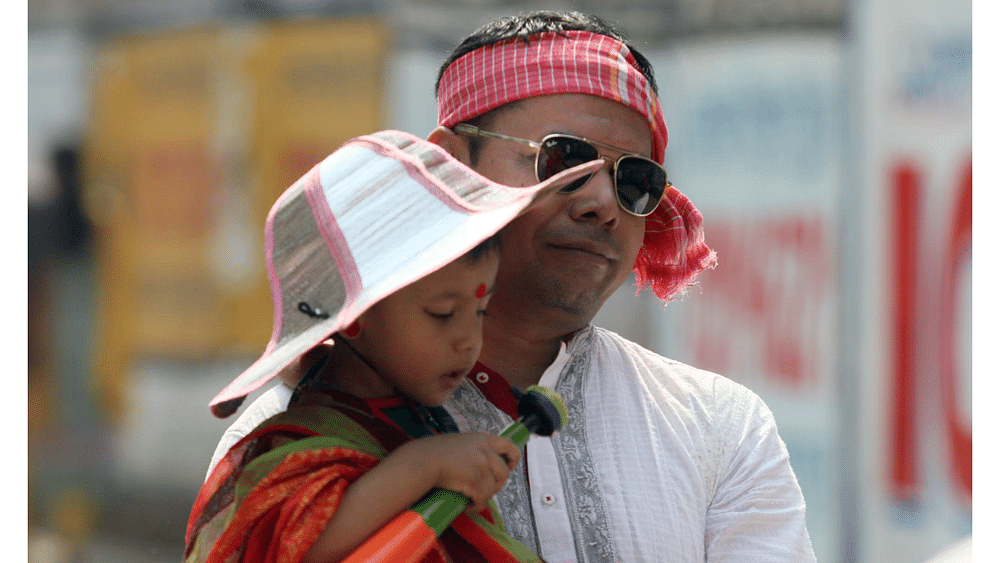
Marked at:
<point>270,498</point>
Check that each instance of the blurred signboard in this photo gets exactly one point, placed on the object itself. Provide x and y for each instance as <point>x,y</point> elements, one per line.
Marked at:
<point>913,155</point>
<point>755,142</point>
<point>194,135</point>
<point>316,87</point>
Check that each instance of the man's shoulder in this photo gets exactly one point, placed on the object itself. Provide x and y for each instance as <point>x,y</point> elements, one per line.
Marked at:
<point>268,404</point>
<point>711,397</point>
<point>604,341</point>
<point>273,401</point>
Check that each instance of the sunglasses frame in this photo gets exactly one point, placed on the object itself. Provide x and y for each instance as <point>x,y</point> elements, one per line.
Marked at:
<point>472,130</point>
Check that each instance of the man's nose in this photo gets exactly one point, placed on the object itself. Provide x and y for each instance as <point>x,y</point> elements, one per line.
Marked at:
<point>596,200</point>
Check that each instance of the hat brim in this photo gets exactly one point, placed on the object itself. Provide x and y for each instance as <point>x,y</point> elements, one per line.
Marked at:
<point>381,212</point>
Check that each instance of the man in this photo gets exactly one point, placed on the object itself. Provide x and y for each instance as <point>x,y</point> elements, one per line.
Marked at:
<point>660,461</point>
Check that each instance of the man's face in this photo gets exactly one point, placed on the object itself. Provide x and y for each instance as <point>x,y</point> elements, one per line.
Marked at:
<point>570,252</point>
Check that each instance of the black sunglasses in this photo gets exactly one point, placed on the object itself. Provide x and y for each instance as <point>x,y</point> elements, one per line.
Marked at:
<point>639,182</point>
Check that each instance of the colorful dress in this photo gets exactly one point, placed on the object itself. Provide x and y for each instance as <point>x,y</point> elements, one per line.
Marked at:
<point>272,494</point>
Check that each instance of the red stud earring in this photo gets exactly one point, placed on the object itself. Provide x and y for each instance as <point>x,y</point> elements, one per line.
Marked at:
<point>352,330</point>
<point>481,291</point>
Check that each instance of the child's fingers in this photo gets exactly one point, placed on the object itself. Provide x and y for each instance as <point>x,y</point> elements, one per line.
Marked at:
<point>500,471</point>
<point>485,485</point>
<point>477,465</point>
<point>507,450</point>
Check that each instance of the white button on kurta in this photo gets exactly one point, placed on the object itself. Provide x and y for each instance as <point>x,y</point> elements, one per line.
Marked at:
<point>555,534</point>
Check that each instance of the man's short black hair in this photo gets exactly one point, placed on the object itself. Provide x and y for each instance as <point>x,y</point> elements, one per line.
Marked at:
<point>523,27</point>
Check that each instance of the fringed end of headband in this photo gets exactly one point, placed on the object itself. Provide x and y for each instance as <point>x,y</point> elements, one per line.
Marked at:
<point>673,250</point>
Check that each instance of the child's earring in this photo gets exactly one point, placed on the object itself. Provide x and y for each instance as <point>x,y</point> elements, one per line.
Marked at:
<point>353,330</point>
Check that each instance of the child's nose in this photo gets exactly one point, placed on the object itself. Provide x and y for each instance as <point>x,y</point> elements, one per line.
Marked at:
<point>469,341</point>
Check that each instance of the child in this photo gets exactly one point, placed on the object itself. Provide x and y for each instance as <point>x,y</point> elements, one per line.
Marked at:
<point>390,246</point>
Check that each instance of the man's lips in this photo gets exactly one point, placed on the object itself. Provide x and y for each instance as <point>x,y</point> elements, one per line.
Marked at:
<point>587,247</point>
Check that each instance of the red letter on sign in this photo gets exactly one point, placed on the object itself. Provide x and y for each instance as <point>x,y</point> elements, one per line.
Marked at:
<point>959,249</point>
<point>903,444</point>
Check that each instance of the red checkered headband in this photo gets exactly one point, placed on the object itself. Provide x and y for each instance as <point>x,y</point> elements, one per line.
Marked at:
<point>673,251</point>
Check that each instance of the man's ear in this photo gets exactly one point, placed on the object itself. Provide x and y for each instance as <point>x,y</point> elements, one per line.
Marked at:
<point>455,144</point>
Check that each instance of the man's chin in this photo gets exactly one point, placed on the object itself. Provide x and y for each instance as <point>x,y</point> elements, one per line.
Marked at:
<point>576,305</point>
<point>572,298</point>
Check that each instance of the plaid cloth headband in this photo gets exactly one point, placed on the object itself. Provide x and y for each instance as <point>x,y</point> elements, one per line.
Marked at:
<point>571,62</point>
<point>673,252</point>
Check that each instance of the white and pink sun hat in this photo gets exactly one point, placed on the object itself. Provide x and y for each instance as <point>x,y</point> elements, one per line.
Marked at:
<point>381,212</point>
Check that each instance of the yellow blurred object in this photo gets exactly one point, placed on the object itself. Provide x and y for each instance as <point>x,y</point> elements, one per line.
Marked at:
<point>74,516</point>
<point>194,135</point>
<point>316,85</point>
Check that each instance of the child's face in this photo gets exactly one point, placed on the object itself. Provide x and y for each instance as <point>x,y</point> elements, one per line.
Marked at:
<point>424,338</point>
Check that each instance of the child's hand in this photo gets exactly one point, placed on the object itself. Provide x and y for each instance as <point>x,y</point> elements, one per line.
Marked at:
<point>473,464</point>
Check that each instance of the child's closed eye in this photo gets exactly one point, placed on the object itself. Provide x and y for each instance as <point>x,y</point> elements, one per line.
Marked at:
<point>441,315</point>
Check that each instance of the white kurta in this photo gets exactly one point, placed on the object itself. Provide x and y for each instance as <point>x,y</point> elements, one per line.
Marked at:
<point>659,462</point>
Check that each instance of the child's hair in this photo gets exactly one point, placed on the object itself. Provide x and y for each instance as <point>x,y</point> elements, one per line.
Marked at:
<point>491,244</point>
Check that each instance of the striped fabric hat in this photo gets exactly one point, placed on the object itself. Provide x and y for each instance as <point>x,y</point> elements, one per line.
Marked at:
<point>381,212</point>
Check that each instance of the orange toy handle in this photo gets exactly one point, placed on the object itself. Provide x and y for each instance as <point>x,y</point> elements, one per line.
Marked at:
<point>405,539</point>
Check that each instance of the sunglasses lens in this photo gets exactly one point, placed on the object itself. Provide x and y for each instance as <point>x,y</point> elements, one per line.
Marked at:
<point>562,153</point>
<point>640,184</point>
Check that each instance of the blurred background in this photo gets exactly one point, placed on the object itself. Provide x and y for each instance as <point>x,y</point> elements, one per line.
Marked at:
<point>828,144</point>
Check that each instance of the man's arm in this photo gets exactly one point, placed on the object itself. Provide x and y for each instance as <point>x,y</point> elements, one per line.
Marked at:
<point>758,512</point>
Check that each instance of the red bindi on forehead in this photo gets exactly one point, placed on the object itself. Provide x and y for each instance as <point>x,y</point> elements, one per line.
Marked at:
<point>481,291</point>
